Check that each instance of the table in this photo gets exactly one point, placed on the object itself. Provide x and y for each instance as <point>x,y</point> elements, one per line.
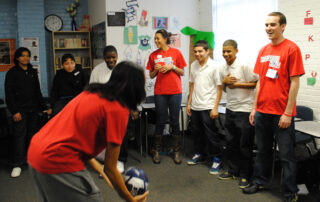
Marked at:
<point>308,127</point>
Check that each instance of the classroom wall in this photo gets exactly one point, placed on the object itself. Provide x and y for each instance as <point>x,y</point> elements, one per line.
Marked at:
<point>296,11</point>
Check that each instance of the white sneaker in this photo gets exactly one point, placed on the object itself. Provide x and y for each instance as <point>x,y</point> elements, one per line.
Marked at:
<point>120,166</point>
<point>16,171</point>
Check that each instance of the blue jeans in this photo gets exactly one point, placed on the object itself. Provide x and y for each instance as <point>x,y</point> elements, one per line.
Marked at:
<point>163,103</point>
<point>266,129</point>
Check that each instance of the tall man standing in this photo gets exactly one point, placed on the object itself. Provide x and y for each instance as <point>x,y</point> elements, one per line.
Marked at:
<point>279,65</point>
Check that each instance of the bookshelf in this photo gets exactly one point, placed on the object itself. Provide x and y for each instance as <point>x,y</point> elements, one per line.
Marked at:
<point>75,42</point>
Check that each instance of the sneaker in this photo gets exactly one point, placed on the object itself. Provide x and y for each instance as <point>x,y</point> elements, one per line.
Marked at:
<point>16,171</point>
<point>197,158</point>
<point>253,188</point>
<point>243,183</point>
<point>120,166</point>
<point>227,176</point>
<point>215,169</point>
<point>291,198</point>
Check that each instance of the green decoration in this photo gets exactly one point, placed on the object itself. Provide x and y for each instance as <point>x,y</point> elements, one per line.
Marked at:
<point>131,35</point>
<point>199,35</point>
<point>144,42</point>
<point>311,81</point>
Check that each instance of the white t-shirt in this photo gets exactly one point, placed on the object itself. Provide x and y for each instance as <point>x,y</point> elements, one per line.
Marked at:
<point>100,74</point>
<point>239,99</point>
<point>206,80</point>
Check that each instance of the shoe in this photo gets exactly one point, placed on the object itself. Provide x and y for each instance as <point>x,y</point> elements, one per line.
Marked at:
<point>253,188</point>
<point>227,176</point>
<point>215,169</point>
<point>243,183</point>
<point>197,158</point>
<point>16,171</point>
<point>291,198</point>
<point>176,158</point>
<point>120,166</point>
<point>156,157</point>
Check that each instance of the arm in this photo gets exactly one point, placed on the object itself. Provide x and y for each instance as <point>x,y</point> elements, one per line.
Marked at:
<point>253,111</point>
<point>9,92</point>
<point>285,120</point>
<point>214,112</point>
<point>167,68</point>
<point>99,168</point>
<point>155,71</point>
<point>243,85</point>
<point>110,168</point>
<point>191,87</point>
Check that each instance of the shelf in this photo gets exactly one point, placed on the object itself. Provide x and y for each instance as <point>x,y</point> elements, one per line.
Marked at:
<point>71,48</point>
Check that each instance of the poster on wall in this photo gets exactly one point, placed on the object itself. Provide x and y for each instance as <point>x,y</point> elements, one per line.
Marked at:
<point>7,49</point>
<point>131,35</point>
<point>144,42</point>
<point>32,43</point>
<point>143,18</point>
<point>174,23</point>
<point>175,40</point>
<point>116,18</point>
<point>98,40</point>
<point>160,22</point>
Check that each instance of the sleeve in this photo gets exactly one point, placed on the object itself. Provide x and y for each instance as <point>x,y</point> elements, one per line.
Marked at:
<point>296,63</point>
<point>94,76</point>
<point>116,125</point>
<point>217,77</point>
<point>249,75</point>
<point>191,76</point>
<point>150,64</point>
<point>9,92</point>
<point>54,91</point>
<point>84,78</point>
<point>257,65</point>
<point>180,62</point>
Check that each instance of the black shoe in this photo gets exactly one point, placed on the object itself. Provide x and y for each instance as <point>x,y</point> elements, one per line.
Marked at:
<point>156,157</point>
<point>227,176</point>
<point>291,198</point>
<point>253,188</point>
<point>176,158</point>
<point>243,183</point>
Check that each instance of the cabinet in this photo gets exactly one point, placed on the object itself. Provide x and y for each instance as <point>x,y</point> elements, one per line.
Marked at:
<point>75,42</point>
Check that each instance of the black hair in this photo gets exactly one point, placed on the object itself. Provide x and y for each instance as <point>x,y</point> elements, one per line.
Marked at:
<point>282,17</point>
<point>164,34</point>
<point>67,56</point>
<point>126,85</point>
<point>231,42</point>
<point>202,43</point>
<point>18,54</point>
<point>109,49</point>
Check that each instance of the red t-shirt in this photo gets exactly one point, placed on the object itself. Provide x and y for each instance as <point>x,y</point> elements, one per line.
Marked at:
<point>170,82</point>
<point>79,132</point>
<point>285,60</point>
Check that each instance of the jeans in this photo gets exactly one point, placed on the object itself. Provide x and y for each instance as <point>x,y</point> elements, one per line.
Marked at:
<point>240,138</point>
<point>266,129</point>
<point>123,155</point>
<point>162,104</point>
<point>205,134</point>
<point>23,131</point>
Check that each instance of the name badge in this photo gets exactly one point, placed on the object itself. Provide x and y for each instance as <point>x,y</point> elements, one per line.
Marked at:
<point>271,73</point>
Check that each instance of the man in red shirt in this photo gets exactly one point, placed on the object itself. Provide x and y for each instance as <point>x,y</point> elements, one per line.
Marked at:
<point>279,65</point>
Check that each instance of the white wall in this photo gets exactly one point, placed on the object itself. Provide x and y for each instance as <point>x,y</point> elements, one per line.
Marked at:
<point>295,12</point>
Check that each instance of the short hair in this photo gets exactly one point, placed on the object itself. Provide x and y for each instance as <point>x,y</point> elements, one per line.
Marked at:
<point>126,85</point>
<point>231,42</point>
<point>282,17</point>
<point>67,56</point>
<point>109,49</point>
<point>202,43</point>
<point>164,34</point>
<point>18,54</point>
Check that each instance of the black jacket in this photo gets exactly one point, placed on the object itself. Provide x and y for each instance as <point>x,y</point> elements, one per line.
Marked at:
<point>22,90</point>
<point>68,84</point>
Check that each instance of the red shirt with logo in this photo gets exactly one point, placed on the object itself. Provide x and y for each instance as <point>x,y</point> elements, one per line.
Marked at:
<point>78,133</point>
<point>275,65</point>
<point>168,83</point>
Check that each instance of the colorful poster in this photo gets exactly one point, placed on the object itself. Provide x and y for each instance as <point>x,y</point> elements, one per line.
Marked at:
<point>144,42</point>
<point>175,40</point>
<point>143,19</point>
<point>131,35</point>
<point>160,23</point>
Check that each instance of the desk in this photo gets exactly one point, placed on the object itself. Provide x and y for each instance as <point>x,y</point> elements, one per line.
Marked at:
<point>308,127</point>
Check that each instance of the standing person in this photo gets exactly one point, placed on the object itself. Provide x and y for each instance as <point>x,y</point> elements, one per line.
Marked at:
<point>239,81</point>
<point>205,90</point>
<point>67,83</point>
<point>96,119</point>
<point>279,65</point>
<point>24,101</point>
<point>101,74</point>
<point>167,65</point>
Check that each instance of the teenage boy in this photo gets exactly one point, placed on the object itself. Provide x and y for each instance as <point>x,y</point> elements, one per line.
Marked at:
<point>279,65</point>
<point>204,97</point>
<point>239,82</point>
<point>101,74</point>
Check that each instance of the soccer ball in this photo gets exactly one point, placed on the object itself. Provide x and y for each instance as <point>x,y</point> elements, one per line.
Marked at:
<point>136,181</point>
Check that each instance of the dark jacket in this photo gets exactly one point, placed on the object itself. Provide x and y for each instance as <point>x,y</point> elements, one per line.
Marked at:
<point>68,84</point>
<point>22,90</point>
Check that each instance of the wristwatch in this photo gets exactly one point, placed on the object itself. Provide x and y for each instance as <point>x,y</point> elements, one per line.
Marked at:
<point>174,67</point>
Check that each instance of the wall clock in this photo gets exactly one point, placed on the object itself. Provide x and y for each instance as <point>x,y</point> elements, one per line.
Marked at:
<point>53,22</point>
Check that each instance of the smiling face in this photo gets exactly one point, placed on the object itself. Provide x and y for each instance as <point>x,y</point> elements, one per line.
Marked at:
<point>111,59</point>
<point>160,41</point>
<point>24,59</point>
<point>200,54</point>
<point>69,65</point>
<point>229,53</point>
<point>274,30</point>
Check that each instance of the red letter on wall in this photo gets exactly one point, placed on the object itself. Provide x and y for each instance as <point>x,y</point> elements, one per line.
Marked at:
<point>307,56</point>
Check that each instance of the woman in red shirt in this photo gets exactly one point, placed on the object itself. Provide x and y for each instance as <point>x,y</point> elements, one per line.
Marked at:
<point>167,65</point>
<point>96,119</point>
